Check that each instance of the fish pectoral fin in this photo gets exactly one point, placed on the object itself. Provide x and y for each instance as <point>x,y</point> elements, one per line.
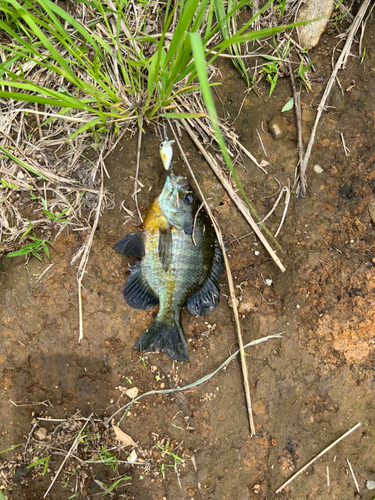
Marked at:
<point>133,245</point>
<point>165,247</point>
<point>206,298</point>
<point>137,292</point>
<point>165,336</point>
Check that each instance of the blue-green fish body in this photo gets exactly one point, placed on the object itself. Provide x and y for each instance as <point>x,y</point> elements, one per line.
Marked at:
<point>181,264</point>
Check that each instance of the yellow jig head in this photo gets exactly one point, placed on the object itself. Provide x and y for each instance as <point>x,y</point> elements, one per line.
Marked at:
<point>166,153</point>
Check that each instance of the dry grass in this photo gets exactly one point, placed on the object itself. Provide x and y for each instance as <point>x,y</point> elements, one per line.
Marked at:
<point>65,172</point>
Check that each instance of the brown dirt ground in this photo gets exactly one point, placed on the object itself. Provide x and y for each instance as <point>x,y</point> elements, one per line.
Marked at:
<point>307,388</point>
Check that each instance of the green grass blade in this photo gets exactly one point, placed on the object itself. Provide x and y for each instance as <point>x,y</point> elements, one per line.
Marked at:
<point>91,124</point>
<point>116,483</point>
<point>52,7</point>
<point>183,115</point>
<point>32,22</point>
<point>207,96</point>
<point>10,449</point>
<point>225,30</point>
<point>23,164</point>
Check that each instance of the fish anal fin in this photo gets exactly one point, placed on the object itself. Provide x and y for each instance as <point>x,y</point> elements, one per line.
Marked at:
<point>206,298</point>
<point>137,292</point>
<point>133,245</point>
<point>164,336</point>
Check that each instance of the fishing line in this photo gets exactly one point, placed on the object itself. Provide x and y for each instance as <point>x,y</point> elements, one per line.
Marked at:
<point>198,382</point>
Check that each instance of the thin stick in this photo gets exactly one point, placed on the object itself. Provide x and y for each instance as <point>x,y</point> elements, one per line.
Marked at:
<point>354,478</point>
<point>297,107</point>
<point>40,276</point>
<point>231,290</point>
<point>346,149</point>
<point>73,447</point>
<point>287,200</point>
<point>28,440</point>
<point>327,476</point>
<point>340,63</point>
<point>261,143</point>
<point>136,189</point>
<point>236,200</point>
<point>85,256</point>
<point>317,456</point>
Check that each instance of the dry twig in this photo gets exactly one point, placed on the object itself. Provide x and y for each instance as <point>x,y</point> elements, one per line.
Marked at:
<point>354,478</point>
<point>340,64</point>
<point>297,107</point>
<point>136,188</point>
<point>317,456</point>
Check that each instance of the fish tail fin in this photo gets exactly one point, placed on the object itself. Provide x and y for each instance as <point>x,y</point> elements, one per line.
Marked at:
<point>165,336</point>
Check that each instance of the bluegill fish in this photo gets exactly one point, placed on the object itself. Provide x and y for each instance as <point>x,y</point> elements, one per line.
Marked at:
<point>173,271</point>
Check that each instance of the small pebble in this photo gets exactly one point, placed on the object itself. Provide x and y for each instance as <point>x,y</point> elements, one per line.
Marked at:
<point>256,488</point>
<point>278,127</point>
<point>370,485</point>
<point>20,175</point>
<point>318,169</point>
<point>132,393</point>
<point>41,433</point>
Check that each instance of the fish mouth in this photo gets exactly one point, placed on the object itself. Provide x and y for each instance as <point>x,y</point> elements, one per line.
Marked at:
<point>179,181</point>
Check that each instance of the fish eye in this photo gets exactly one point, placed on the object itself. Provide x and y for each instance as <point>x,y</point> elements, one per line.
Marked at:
<point>189,198</point>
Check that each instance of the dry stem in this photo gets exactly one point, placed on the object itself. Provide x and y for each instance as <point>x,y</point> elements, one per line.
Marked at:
<point>318,456</point>
<point>340,63</point>
<point>136,188</point>
<point>297,107</point>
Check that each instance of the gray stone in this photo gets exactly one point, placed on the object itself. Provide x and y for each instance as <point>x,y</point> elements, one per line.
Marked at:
<point>337,99</point>
<point>370,485</point>
<point>314,9</point>
<point>278,127</point>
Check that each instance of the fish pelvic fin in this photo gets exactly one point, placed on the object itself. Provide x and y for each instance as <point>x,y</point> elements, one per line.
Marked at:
<point>164,336</point>
<point>206,298</point>
<point>137,292</point>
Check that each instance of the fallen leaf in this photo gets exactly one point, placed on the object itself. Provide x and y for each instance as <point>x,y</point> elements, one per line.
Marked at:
<point>132,393</point>
<point>122,437</point>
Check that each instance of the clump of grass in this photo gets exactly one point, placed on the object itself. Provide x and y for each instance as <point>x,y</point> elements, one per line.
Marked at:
<point>90,76</point>
<point>34,248</point>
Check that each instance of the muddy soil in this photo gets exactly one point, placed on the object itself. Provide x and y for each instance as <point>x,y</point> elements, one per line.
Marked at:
<point>307,388</point>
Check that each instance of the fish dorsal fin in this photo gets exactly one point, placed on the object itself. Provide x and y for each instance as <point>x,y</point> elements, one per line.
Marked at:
<point>206,298</point>
<point>165,247</point>
<point>133,245</point>
<point>137,292</point>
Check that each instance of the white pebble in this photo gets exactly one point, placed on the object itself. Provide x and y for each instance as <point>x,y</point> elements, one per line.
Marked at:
<point>318,169</point>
